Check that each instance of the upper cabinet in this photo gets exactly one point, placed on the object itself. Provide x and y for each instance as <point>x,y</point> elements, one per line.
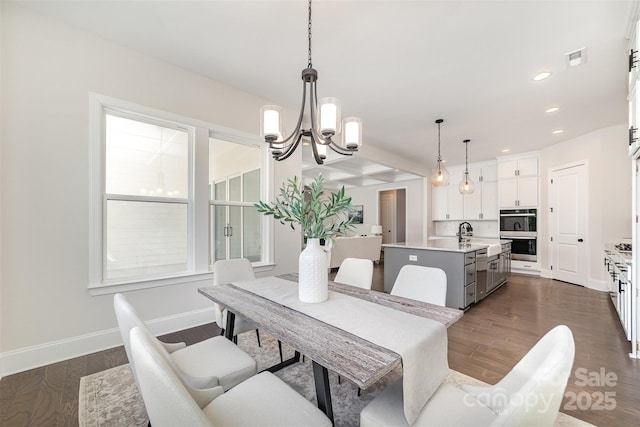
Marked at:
<point>449,205</point>
<point>446,202</point>
<point>518,182</point>
<point>512,168</point>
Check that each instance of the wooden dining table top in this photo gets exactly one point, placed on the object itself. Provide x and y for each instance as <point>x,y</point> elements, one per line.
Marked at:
<point>350,356</point>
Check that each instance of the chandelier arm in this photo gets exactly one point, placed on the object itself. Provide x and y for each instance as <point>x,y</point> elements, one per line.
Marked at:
<point>296,131</point>
<point>290,149</point>
<point>314,148</point>
<point>344,151</point>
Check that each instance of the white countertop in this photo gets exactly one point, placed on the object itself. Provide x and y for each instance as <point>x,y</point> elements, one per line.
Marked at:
<point>449,244</point>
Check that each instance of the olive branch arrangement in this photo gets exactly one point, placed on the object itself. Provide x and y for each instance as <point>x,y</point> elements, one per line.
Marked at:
<point>309,207</point>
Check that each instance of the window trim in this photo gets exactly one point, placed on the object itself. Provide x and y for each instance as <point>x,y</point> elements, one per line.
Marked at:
<point>198,223</point>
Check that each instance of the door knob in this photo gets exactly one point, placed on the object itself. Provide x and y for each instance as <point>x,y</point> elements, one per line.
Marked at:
<point>580,240</point>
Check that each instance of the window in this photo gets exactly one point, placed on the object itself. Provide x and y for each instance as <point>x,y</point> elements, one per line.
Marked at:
<point>147,172</point>
<point>234,176</point>
<point>160,213</point>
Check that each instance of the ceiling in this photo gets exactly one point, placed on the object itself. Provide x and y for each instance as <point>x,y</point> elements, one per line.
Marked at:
<point>399,65</point>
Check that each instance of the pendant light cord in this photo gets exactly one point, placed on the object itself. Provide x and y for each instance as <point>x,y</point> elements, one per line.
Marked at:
<point>466,157</point>
<point>439,158</point>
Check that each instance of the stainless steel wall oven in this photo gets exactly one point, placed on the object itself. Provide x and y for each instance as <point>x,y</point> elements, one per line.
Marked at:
<point>521,227</point>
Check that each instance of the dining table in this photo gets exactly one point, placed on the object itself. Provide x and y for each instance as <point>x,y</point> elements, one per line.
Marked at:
<point>359,334</point>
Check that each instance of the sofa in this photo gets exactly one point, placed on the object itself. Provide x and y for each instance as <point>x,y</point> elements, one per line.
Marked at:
<point>366,247</point>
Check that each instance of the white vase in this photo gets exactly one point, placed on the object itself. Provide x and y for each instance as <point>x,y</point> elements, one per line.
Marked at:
<point>312,273</point>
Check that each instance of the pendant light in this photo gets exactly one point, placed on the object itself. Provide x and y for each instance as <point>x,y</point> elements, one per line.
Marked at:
<point>466,185</point>
<point>440,175</point>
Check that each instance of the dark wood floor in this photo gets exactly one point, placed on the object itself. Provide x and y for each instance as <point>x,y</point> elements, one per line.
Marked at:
<point>489,339</point>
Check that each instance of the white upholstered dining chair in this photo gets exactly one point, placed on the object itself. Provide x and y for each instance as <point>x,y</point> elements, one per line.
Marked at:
<point>235,270</point>
<point>426,284</point>
<point>227,271</point>
<point>529,395</point>
<point>355,272</point>
<point>170,401</point>
<point>212,362</point>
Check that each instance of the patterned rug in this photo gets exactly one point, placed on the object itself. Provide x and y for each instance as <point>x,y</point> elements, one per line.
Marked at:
<point>111,398</point>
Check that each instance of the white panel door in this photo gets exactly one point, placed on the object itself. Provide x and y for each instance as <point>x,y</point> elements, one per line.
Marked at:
<point>388,216</point>
<point>568,199</point>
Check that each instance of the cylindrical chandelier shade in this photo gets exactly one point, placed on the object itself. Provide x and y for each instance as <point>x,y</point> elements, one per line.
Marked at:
<point>440,175</point>
<point>352,133</point>
<point>466,185</point>
<point>271,121</point>
<point>329,116</point>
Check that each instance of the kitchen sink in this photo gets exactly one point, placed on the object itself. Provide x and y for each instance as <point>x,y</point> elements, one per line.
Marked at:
<point>494,249</point>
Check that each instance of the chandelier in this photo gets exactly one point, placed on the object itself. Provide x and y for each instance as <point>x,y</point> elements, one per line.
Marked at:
<point>466,185</point>
<point>325,122</point>
<point>439,176</point>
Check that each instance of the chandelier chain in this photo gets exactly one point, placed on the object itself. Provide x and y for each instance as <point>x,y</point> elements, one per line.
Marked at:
<point>309,32</point>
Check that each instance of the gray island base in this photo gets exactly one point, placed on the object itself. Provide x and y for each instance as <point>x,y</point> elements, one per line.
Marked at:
<point>471,274</point>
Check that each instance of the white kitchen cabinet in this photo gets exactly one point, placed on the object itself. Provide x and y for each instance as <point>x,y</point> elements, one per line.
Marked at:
<point>482,172</point>
<point>449,205</point>
<point>518,181</point>
<point>520,192</point>
<point>446,203</point>
<point>482,203</point>
<point>512,168</point>
<point>490,200</point>
<point>439,203</point>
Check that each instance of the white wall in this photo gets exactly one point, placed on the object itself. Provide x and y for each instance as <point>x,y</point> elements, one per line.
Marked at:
<point>609,213</point>
<point>48,70</point>
<point>368,197</point>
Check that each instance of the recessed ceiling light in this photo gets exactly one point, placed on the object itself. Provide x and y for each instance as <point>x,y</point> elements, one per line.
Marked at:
<point>541,76</point>
<point>506,150</point>
<point>557,131</point>
<point>551,109</point>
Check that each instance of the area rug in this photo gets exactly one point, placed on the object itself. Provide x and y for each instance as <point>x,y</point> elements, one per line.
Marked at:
<point>111,398</point>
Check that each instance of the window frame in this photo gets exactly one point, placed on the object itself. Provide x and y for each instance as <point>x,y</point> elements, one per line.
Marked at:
<point>198,230</point>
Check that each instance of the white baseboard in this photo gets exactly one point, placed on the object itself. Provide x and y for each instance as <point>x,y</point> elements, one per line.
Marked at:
<point>26,358</point>
<point>598,285</point>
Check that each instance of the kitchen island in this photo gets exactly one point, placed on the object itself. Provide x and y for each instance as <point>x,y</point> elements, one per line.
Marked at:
<point>474,270</point>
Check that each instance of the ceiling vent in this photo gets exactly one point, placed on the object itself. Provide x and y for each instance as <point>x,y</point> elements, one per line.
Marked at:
<point>577,57</point>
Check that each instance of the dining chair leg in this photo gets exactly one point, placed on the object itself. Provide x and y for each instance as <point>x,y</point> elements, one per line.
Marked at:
<point>258,336</point>
<point>280,350</point>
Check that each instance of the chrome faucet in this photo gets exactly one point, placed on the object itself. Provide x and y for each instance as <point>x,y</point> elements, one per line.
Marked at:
<point>464,229</point>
